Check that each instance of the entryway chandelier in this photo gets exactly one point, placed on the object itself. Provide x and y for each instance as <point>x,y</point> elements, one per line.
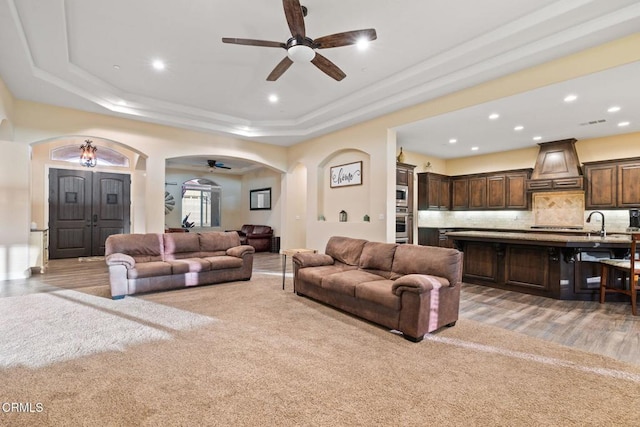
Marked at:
<point>88,157</point>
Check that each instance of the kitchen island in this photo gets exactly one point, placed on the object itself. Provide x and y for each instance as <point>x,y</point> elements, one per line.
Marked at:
<point>555,265</point>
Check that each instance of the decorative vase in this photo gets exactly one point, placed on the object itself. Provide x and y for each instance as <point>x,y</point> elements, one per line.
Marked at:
<point>400,157</point>
<point>343,216</point>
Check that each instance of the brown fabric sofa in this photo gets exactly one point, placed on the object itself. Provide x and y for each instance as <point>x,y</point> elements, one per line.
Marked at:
<point>408,288</point>
<point>258,236</point>
<point>151,262</point>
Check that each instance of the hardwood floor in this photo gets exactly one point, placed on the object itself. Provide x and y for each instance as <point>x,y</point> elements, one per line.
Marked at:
<point>608,329</point>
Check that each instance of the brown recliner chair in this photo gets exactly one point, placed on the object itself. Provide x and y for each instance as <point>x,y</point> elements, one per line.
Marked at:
<point>258,236</point>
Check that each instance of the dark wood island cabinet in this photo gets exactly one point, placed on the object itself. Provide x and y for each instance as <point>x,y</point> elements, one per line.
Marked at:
<point>561,266</point>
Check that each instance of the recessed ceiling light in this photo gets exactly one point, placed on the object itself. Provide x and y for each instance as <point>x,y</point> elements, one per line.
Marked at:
<point>613,109</point>
<point>158,65</point>
<point>518,128</point>
<point>623,124</point>
<point>362,44</point>
<point>273,99</point>
<point>494,116</point>
<point>537,138</point>
<point>453,141</point>
<point>570,98</point>
<point>116,67</point>
<point>475,148</point>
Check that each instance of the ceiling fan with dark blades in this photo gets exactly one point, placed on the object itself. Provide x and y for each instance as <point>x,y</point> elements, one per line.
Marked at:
<point>301,48</point>
<point>213,164</point>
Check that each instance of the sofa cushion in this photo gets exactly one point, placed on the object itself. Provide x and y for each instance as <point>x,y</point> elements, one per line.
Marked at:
<point>141,247</point>
<point>345,249</point>
<point>432,260</point>
<point>378,292</point>
<point>189,265</point>
<point>218,241</point>
<point>224,261</point>
<point>314,275</point>
<point>260,231</point>
<point>181,245</point>
<point>345,282</point>
<point>377,258</point>
<point>149,269</point>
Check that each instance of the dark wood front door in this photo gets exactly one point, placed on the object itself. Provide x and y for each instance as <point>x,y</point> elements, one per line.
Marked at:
<point>85,208</point>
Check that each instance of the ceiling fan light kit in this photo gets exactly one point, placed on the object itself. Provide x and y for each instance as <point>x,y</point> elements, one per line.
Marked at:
<point>301,48</point>
<point>301,53</point>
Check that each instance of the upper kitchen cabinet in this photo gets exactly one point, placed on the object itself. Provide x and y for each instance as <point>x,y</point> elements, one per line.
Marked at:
<point>495,190</point>
<point>613,184</point>
<point>516,195</point>
<point>433,191</point>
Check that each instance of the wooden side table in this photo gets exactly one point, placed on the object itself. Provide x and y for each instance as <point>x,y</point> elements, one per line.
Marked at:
<point>291,252</point>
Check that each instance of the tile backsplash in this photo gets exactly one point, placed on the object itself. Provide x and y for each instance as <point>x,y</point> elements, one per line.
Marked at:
<point>615,220</point>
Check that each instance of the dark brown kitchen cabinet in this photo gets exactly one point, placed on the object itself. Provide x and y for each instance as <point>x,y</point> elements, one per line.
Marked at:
<point>433,191</point>
<point>459,193</point>
<point>477,192</point>
<point>495,190</point>
<point>613,184</point>
<point>629,184</point>
<point>516,195</point>
<point>601,186</point>
<point>402,175</point>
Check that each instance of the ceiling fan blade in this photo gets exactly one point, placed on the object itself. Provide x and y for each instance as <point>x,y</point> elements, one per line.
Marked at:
<point>280,69</point>
<point>345,39</point>
<point>222,167</point>
<point>251,42</point>
<point>295,17</point>
<point>328,67</point>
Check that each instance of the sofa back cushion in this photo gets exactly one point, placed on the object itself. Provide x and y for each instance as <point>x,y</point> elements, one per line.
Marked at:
<point>432,260</point>
<point>181,245</point>
<point>345,249</point>
<point>217,242</point>
<point>246,228</point>
<point>142,247</point>
<point>260,230</point>
<point>377,257</point>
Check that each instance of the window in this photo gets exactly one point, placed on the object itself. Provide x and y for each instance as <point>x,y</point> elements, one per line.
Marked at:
<point>106,156</point>
<point>201,203</point>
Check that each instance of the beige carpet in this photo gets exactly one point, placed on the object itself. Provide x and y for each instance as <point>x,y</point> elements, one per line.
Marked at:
<point>273,358</point>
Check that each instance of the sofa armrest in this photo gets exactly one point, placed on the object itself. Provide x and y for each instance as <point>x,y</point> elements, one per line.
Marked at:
<point>240,251</point>
<point>309,259</point>
<point>120,259</point>
<point>418,283</point>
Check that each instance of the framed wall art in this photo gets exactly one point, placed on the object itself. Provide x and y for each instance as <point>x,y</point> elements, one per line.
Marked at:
<point>260,199</point>
<point>346,175</point>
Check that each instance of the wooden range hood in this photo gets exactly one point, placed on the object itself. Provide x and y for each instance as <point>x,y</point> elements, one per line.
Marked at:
<point>557,167</point>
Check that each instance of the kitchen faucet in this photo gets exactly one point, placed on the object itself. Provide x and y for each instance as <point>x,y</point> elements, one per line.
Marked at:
<point>603,232</point>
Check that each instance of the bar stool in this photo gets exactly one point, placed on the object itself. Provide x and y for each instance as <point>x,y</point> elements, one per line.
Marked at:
<point>629,268</point>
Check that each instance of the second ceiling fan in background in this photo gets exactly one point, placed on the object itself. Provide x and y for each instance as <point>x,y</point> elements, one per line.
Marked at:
<point>302,48</point>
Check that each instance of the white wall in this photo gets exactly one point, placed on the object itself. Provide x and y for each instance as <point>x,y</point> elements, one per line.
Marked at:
<point>14,210</point>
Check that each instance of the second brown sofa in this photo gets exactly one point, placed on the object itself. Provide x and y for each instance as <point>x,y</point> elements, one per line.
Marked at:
<point>408,288</point>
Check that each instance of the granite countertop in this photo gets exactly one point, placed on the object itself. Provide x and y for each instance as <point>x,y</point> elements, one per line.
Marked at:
<point>534,237</point>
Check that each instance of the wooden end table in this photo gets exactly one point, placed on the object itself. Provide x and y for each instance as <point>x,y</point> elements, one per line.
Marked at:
<point>291,252</point>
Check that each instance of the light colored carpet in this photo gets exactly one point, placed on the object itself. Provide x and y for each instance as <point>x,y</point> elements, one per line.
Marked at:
<point>255,355</point>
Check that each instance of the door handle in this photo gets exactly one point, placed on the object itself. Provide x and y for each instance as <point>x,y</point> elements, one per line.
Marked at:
<point>95,217</point>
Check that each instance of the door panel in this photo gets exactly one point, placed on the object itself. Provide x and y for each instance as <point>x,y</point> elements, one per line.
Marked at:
<point>84,209</point>
<point>111,202</point>
<point>69,213</point>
